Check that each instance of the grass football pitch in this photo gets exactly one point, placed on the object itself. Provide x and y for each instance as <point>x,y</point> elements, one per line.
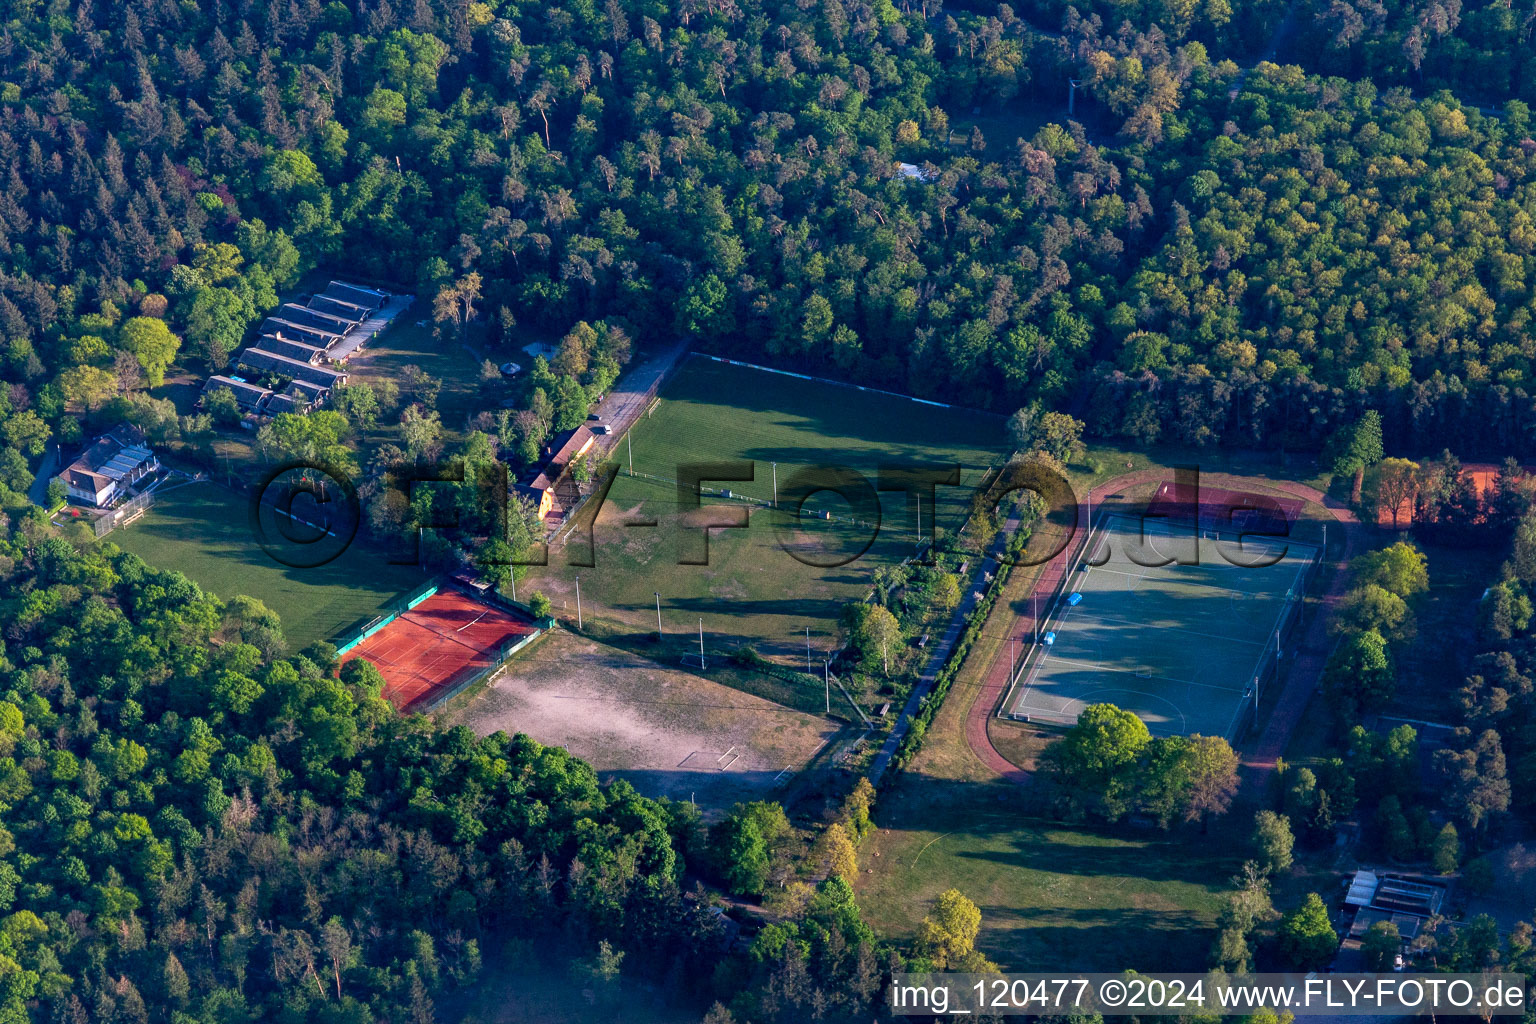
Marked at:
<point>1180,645</point>
<point>753,588</point>
<point>202,530</point>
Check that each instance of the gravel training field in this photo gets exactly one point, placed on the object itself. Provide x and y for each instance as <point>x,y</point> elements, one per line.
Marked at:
<point>667,731</point>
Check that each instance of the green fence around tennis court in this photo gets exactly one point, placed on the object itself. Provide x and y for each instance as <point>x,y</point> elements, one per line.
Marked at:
<point>357,634</point>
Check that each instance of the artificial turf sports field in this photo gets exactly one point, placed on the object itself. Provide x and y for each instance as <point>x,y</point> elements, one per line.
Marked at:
<point>1178,644</point>
<point>753,590</point>
<point>202,530</point>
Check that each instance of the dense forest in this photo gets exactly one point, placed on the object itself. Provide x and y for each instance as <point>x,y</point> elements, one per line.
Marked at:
<point>197,824</point>
<point>1483,47</point>
<point>1253,268</point>
<point>197,827</point>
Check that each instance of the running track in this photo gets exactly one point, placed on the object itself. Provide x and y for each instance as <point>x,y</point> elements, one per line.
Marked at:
<point>1300,681</point>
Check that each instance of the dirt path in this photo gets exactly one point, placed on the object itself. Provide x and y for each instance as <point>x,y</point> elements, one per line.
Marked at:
<point>1300,681</point>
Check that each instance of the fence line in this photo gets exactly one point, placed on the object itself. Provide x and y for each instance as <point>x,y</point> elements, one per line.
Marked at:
<point>829,380</point>
<point>125,513</point>
<point>497,660</point>
<point>378,622</point>
<point>1029,665</point>
<point>1267,673</point>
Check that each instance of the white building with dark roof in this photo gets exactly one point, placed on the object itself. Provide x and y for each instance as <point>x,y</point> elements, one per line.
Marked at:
<point>110,467</point>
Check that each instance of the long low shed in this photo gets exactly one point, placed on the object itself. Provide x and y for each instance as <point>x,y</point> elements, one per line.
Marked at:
<point>369,298</point>
<point>263,360</point>
<point>320,318</point>
<point>249,396</point>
<point>300,332</point>
<point>311,354</point>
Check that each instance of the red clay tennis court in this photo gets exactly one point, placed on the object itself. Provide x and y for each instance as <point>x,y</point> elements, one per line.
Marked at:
<point>446,638</point>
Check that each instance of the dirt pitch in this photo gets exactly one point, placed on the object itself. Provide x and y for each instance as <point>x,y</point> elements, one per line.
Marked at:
<point>667,731</point>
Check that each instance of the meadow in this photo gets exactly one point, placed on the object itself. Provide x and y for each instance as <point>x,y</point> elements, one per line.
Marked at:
<point>757,587</point>
<point>201,530</point>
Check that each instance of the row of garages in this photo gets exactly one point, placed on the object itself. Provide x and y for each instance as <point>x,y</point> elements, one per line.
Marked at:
<point>297,351</point>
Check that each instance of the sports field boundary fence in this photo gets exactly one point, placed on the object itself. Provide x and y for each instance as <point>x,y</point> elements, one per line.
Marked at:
<point>355,635</point>
<point>1061,567</point>
<point>1266,671</point>
<point>475,674</point>
<point>829,380</point>
<point>123,514</point>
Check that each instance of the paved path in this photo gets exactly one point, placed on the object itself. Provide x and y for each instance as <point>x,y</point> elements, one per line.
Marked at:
<point>46,471</point>
<point>971,589</point>
<point>366,331</point>
<point>627,401</point>
<point>1300,681</point>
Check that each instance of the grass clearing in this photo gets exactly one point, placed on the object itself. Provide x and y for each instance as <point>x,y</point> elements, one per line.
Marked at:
<point>405,344</point>
<point>753,590</point>
<point>1052,896</point>
<point>201,530</point>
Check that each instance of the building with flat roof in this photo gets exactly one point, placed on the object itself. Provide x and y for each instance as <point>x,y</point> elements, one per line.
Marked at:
<point>109,467</point>
<point>1404,902</point>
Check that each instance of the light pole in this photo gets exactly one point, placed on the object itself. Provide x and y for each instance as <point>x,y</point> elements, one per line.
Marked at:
<point>807,650</point>
<point>701,645</point>
<point>578,602</point>
<point>630,447</point>
<point>775,485</point>
<point>826,676</point>
<point>658,616</point>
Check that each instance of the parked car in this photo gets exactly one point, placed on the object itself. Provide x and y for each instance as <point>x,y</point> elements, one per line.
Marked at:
<point>601,428</point>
